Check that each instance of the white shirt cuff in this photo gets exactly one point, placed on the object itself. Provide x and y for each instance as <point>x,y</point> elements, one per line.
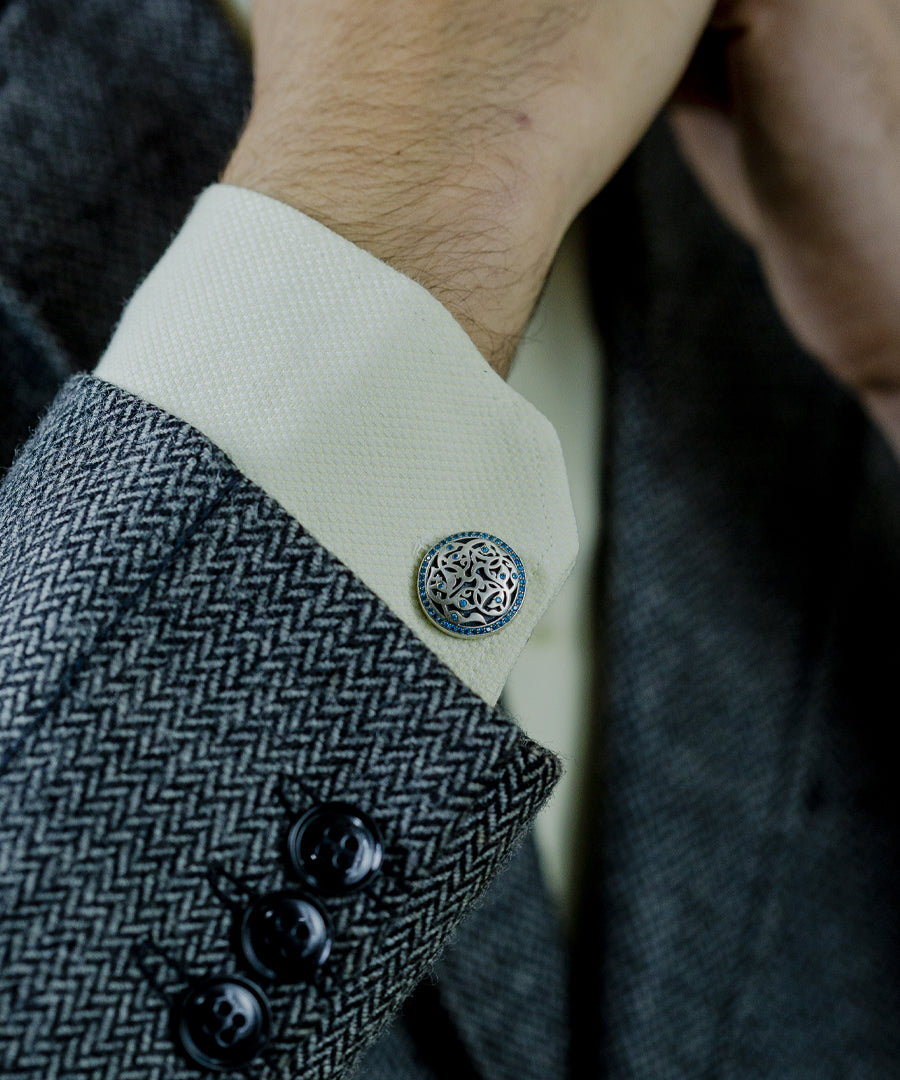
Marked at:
<point>353,398</point>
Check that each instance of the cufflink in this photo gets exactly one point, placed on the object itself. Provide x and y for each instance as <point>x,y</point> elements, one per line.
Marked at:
<point>471,583</point>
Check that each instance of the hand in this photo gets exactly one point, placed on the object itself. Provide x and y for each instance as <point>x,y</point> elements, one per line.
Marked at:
<point>457,139</point>
<point>791,116</point>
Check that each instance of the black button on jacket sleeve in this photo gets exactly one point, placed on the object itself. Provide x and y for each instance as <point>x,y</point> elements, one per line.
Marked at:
<point>285,936</point>
<point>223,1022</point>
<point>336,848</point>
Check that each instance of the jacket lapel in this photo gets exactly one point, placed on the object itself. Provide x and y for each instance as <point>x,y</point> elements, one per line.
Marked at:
<point>732,468</point>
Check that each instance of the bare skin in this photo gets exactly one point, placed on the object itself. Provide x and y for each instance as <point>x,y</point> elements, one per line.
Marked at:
<point>791,117</point>
<point>457,139</point>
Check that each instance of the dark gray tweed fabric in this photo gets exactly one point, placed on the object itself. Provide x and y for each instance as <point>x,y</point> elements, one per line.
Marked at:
<point>32,368</point>
<point>172,645</point>
<point>505,980</point>
<point>746,915</point>
<point>113,117</point>
<point>497,1005</point>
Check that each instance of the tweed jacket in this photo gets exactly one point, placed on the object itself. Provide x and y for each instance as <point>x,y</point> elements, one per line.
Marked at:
<point>186,675</point>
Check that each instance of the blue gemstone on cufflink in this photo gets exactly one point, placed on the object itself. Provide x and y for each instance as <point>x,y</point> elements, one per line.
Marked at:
<point>451,582</point>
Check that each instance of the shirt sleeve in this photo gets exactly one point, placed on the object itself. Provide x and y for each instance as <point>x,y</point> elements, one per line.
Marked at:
<point>353,398</point>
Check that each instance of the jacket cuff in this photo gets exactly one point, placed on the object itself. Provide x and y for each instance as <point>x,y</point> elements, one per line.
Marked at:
<point>185,672</point>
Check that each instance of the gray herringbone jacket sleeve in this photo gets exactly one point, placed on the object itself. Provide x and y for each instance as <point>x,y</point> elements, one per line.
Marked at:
<point>183,673</point>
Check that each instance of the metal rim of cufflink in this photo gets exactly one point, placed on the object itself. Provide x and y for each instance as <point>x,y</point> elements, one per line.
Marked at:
<point>478,619</point>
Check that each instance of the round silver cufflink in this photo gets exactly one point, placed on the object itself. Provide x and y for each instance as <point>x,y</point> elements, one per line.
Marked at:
<point>471,583</point>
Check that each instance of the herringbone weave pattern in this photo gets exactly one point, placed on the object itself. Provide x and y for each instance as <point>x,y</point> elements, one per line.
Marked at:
<point>171,645</point>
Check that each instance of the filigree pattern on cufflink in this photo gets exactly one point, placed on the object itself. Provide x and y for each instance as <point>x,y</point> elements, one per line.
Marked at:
<point>471,583</point>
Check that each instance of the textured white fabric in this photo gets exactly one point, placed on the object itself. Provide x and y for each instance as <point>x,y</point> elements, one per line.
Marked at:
<point>351,396</point>
<point>558,368</point>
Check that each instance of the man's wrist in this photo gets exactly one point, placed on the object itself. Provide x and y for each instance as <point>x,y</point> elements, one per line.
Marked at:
<point>477,242</point>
